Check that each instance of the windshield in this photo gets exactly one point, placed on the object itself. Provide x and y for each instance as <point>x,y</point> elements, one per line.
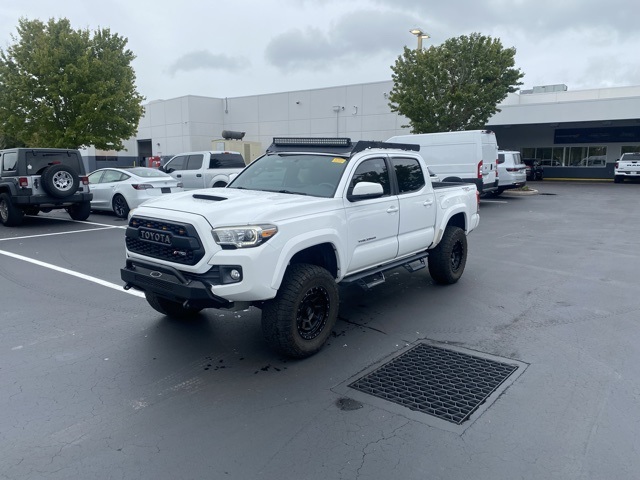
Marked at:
<point>303,174</point>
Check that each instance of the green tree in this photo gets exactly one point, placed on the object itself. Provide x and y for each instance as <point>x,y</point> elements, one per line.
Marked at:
<point>454,86</point>
<point>67,88</point>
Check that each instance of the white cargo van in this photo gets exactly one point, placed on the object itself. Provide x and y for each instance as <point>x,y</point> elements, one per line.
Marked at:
<point>468,156</point>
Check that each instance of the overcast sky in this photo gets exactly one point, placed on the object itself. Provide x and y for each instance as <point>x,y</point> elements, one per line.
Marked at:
<point>247,47</point>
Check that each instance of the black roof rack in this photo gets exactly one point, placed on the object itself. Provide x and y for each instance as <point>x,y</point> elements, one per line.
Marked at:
<point>336,145</point>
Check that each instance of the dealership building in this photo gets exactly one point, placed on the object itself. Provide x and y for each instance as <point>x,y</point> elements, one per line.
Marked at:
<point>575,134</point>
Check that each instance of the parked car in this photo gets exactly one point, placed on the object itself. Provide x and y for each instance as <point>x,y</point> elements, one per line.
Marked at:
<point>535,171</point>
<point>511,171</point>
<point>120,190</point>
<point>468,156</point>
<point>204,169</point>
<point>627,166</point>
<point>34,180</point>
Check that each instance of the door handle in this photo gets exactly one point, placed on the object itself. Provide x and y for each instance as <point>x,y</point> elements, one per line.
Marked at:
<point>428,203</point>
<point>198,175</point>
<point>179,176</point>
<point>392,209</point>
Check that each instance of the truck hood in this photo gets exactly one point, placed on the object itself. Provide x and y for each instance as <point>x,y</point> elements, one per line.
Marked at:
<point>230,206</point>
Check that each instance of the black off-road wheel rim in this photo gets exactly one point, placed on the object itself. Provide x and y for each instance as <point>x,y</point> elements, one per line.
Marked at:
<point>312,313</point>
<point>457,255</point>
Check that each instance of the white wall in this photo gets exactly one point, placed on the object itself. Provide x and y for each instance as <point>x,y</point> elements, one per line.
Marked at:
<point>191,123</point>
<point>363,113</point>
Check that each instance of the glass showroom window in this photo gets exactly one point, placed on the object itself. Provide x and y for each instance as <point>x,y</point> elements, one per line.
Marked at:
<point>549,156</point>
<point>587,156</point>
<point>629,149</point>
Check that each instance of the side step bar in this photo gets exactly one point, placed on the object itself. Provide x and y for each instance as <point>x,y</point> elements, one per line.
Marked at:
<point>375,276</point>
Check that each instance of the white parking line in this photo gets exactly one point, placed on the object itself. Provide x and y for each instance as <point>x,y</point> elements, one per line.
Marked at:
<point>59,233</point>
<point>71,272</point>
<point>83,221</point>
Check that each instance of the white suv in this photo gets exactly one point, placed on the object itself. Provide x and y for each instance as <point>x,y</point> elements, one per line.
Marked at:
<point>512,172</point>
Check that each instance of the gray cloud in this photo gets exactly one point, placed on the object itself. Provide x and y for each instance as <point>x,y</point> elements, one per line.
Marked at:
<point>357,36</point>
<point>539,18</point>
<point>205,60</point>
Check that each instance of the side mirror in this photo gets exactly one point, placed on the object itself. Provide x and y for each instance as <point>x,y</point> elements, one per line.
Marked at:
<point>365,190</point>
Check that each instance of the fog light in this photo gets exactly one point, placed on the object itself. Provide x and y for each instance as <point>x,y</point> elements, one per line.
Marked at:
<point>235,274</point>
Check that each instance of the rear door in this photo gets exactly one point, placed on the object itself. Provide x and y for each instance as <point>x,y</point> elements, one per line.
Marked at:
<point>417,206</point>
<point>192,176</point>
<point>489,154</point>
<point>372,224</point>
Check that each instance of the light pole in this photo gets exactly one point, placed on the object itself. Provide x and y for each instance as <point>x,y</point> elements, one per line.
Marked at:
<point>420,34</point>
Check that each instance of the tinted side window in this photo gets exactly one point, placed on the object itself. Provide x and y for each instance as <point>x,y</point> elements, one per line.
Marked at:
<point>409,174</point>
<point>226,160</point>
<point>95,177</point>
<point>112,176</point>
<point>9,161</point>
<point>500,158</point>
<point>372,170</point>
<point>177,163</point>
<point>195,162</point>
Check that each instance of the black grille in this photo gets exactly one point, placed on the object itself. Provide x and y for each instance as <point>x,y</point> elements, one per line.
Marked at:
<point>444,383</point>
<point>186,248</point>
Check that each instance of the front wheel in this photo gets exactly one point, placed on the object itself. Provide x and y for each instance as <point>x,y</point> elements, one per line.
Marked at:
<point>169,307</point>
<point>79,211</point>
<point>447,260</point>
<point>299,320</point>
<point>10,215</point>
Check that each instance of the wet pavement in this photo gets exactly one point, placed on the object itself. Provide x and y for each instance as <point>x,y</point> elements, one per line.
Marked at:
<point>97,385</point>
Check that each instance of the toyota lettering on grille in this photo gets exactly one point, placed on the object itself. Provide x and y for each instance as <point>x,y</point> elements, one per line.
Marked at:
<point>162,238</point>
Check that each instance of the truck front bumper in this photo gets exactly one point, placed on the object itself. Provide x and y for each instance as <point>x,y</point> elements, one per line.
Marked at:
<point>169,283</point>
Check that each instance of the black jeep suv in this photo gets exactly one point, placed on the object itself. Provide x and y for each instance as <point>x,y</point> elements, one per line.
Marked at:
<point>41,179</point>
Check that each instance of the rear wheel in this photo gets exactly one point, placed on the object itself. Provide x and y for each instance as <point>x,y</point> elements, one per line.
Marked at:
<point>299,320</point>
<point>10,215</point>
<point>169,307</point>
<point>120,206</point>
<point>448,259</point>
<point>618,179</point>
<point>79,211</point>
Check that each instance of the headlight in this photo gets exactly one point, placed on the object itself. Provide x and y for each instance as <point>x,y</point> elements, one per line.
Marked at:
<point>244,236</point>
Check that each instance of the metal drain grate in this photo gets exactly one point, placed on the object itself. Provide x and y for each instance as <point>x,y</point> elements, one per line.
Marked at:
<point>444,383</point>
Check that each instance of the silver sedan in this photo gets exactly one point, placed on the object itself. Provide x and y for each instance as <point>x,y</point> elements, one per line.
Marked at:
<point>122,189</point>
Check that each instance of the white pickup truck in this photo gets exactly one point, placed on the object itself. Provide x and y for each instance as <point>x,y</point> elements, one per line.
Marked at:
<point>204,169</point>
<point>628,166</point>
<point>308,215</point>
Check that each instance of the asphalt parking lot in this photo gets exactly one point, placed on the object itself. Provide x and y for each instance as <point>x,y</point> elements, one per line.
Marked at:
<point>97,385</point>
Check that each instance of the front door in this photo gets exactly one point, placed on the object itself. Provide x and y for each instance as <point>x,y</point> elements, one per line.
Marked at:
<point>372,224</point>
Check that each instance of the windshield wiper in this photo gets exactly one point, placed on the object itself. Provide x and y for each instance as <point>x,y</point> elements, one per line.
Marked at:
<point>290,192</point>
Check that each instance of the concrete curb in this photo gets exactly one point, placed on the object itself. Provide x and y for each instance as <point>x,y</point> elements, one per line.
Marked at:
<point>519,193</point>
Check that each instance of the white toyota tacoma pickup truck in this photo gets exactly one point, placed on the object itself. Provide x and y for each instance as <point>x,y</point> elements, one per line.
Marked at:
<point>310,214</point>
